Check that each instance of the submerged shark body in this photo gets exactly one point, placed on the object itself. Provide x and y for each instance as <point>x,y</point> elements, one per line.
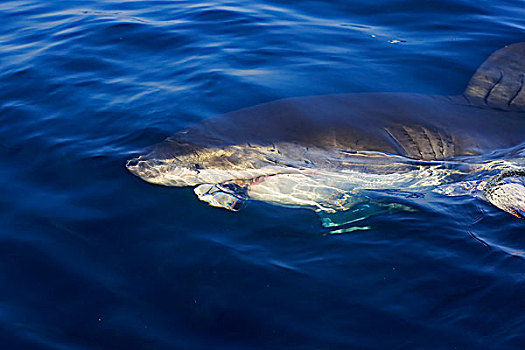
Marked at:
<point>324,152</point>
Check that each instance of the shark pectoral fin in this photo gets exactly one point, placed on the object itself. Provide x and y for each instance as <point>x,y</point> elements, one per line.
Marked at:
<point>499,81</point>
<point>343,221</point>
<point>228,196</point>
<point>507,192</point>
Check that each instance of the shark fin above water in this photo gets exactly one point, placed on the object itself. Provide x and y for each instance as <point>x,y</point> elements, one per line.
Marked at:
<point>499,81</point>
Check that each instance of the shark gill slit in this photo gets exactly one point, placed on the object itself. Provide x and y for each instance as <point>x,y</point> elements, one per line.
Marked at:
<point>397,144</point>
<point>413,142</point>
<point>426,133</point>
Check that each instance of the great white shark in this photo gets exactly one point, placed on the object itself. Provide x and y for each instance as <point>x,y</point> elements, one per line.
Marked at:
<point>330,152</point>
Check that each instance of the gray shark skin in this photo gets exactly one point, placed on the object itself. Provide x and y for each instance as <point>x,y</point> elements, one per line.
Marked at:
<point>322,152</point>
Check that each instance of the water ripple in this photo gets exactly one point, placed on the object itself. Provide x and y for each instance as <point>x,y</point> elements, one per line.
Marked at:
<point>93,258</point>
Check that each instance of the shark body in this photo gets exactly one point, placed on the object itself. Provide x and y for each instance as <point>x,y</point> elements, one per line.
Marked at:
<point>321,151</point>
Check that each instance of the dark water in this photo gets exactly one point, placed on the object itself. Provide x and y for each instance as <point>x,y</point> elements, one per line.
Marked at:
<point>91,257</point>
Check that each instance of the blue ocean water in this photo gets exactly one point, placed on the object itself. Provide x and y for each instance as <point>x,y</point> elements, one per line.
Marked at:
<point>91,257</point>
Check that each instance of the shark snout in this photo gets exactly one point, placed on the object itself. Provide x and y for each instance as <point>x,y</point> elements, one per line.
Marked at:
<point>163,172</point>
<point>145,169</point>
<point>132,162</point>
<point>140,165</point>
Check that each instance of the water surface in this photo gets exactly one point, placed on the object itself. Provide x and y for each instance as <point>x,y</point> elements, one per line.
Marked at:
<point>91,257</point>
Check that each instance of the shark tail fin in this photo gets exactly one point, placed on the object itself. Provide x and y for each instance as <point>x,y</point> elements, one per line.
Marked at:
<point>499,81</point>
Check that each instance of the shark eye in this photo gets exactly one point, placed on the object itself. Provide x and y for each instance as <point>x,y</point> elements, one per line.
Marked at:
<point>197,166</point>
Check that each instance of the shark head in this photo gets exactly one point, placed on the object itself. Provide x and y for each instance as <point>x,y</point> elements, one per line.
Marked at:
<point>179,163</point>
<point>221,174</point>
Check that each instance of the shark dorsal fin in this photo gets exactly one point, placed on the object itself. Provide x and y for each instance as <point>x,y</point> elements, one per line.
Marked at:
<point>499,81</point>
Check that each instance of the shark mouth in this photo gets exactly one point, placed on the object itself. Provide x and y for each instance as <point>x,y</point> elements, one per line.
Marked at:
<point>229,196</point>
